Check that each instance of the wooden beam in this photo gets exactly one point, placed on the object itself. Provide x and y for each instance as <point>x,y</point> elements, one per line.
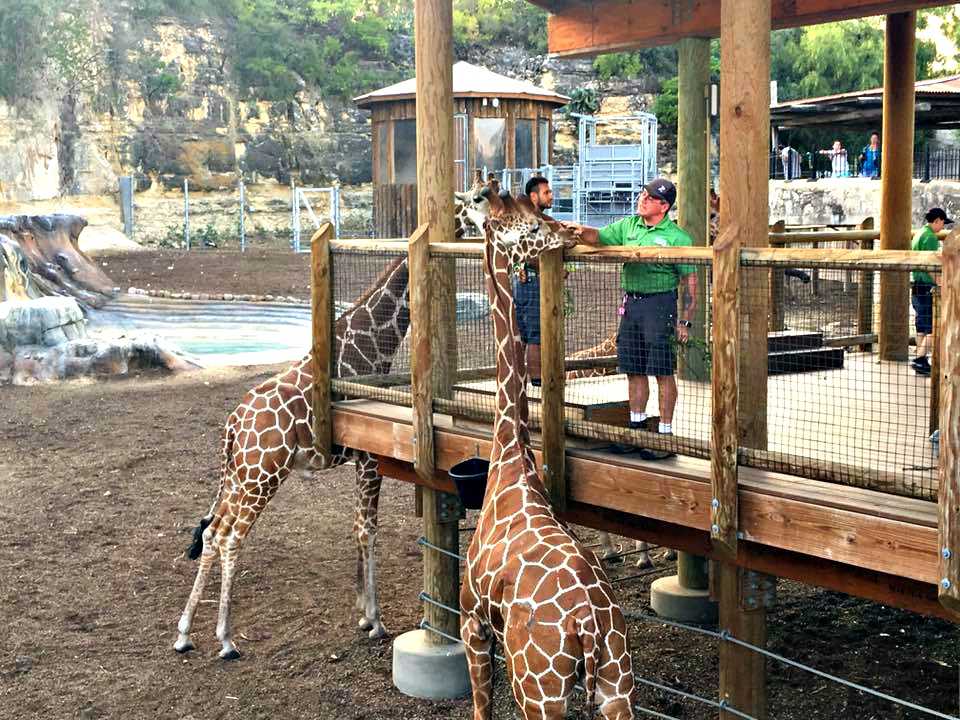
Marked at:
<point>870,530</point>
<point>589,27</point>
<point>896,198</point>
<point>433,31</point>
<point>694,179</point>
<point>421,352</point>
<point>865,293</point>
<point>949,501</point>
<point>322,313</point>
<point>552,375</point>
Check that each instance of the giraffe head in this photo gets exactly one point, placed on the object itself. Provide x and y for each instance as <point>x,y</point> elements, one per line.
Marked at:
<point>471,208</point>
<point>515,228</point>
<point>15,271</point>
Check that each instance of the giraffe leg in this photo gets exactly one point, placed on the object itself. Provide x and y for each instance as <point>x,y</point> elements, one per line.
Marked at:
<point>478,648</point>
<point>207,556</point>
<point>617,709</point>
<point>644,561</point>
<point>369,482</point>
<point>607,548</point>
<point>229,550</point>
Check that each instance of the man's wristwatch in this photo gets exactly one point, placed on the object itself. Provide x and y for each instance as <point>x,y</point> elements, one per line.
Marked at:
<point>684,323</point>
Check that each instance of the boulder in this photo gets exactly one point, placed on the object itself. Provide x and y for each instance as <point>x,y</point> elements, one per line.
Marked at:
<point>46,321</point>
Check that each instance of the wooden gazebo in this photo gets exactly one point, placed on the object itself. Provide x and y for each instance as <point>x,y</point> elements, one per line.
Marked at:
<point>499,122</point>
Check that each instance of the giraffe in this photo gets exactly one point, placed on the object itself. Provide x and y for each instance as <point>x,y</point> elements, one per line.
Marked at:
<point>469,208</point>
<point>270,433</point>
<point>529,584</point>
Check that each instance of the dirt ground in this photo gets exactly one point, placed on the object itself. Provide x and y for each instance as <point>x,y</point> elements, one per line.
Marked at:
<point>101,484</point>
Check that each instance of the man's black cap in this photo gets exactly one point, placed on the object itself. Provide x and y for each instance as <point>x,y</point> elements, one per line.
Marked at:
<point>662,189</point>
<point>938,214</point>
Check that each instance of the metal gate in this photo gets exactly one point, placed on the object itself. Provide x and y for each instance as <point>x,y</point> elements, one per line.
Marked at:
<point>301,199</point>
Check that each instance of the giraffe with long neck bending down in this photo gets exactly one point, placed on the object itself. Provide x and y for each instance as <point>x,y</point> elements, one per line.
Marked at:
<point>529,584</point>
<point>270,434</point>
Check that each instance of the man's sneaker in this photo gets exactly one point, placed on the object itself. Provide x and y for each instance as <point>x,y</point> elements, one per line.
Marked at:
<point>921,365</point>
<point>650,454</point>
<point>624,448</point>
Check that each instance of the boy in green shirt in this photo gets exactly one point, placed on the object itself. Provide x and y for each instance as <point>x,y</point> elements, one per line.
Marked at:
<point>649,324</point>
<point>921,286</point>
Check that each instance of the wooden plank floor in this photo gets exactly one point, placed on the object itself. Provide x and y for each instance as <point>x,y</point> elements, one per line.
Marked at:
<point>868,414</point>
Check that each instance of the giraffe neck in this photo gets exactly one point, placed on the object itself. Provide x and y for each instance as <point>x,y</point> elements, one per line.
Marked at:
<point>370,333</point>
<point>511,435</point>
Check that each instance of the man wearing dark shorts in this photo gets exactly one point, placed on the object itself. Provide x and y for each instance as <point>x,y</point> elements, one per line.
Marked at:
<point>922,285</point>
<point>649,328</point>
<point>526,286</point>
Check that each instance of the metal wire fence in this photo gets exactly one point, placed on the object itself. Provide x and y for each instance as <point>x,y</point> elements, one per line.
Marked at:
<point>834,410</point>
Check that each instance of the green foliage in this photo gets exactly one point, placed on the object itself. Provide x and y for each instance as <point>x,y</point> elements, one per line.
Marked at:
<point>157,81</point>
<point>499,22</point>
<point>583,101</point>
<point>648,61</point>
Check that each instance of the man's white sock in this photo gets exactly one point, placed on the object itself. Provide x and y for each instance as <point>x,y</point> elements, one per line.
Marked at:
<point>637,416</point>
<point>666,428</point>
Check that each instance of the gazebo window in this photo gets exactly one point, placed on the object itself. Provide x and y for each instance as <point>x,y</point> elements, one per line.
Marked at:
<point>543,140</point>
<point>405,152</point>
<point>523,144</point>
<point>382,153</point>
<point>491,146</point>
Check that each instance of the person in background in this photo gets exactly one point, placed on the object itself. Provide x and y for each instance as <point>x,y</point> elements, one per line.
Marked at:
<point>922,285</point>
<point>839,167</point>
<point>649,325</point>
<point>790,159</point>
<point>526,285</point>
<point>870,157</point>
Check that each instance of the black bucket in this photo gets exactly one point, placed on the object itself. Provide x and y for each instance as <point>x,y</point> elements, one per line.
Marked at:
<point>470,477</point>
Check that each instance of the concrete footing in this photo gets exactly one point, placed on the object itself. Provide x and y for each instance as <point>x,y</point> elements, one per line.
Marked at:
<point>425,670</point>
<point>669,599</point>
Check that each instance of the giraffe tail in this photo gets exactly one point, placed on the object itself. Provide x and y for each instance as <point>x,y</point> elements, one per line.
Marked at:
<point>196,547</point>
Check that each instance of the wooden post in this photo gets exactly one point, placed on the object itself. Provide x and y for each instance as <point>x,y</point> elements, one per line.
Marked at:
<point>743,672</point>
<point>899,76</point>
<point>777,282</point>
<point>949,492</point>
<point>740,417</point>
<point>321,305</point>
<point>552,374</point>
<point>421,375</point>
<point>935,360</point>
<point>694,180</point>
<point>433,20</point>
<point>865,292</point>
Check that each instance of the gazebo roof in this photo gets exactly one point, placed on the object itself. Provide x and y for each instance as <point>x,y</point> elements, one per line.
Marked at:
<point>937,105</point>
<point>468,81</point>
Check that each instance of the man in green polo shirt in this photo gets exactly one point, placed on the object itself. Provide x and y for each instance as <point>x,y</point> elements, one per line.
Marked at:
<point>645,342</point>
<point>921,287</point>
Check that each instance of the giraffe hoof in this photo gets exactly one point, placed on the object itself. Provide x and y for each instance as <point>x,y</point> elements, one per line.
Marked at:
<point>377,631</point>
<point>364,624</point>
<point>182,646</point>
<point>231,654</point>
<point>645,563</point>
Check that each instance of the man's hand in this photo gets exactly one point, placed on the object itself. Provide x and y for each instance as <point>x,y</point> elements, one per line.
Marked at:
<point>683,333</point>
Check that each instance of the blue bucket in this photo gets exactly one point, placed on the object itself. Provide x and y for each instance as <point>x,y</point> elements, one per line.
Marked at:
<point>470,477</point>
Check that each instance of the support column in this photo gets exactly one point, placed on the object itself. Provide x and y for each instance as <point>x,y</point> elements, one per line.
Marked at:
<point>686,595</point>
<point>740,418</point>
<point>899,76</point>
<point>426,664</point>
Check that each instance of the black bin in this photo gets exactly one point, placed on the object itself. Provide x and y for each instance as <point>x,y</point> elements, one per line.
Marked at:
<point>470,477</point>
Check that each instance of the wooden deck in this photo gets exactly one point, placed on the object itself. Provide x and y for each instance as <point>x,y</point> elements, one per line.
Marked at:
<point>869,414</point>
<point>858,541</point>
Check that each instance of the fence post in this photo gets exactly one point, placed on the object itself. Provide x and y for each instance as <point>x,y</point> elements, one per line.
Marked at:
<point>777,287</point>
<point>865,292</point>
<point>421,366</point>
<point>126,204</point>
<point>186,212</point>
<point>552,374</point>
<point>935,360</point>
<point>321,300</point>
<point>243,239</point>
<point>949,490</point>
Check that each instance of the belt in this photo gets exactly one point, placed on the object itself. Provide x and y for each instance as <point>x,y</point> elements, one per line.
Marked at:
<point>640,296</point>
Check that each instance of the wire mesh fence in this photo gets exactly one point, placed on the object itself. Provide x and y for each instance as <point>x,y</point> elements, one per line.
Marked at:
<point>833,410</point>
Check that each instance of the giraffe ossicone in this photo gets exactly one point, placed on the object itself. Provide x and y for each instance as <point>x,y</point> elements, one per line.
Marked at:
<point>529,584</point>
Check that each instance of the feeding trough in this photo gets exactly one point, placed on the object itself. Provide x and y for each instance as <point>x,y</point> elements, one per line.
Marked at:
<point>470,477</point>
